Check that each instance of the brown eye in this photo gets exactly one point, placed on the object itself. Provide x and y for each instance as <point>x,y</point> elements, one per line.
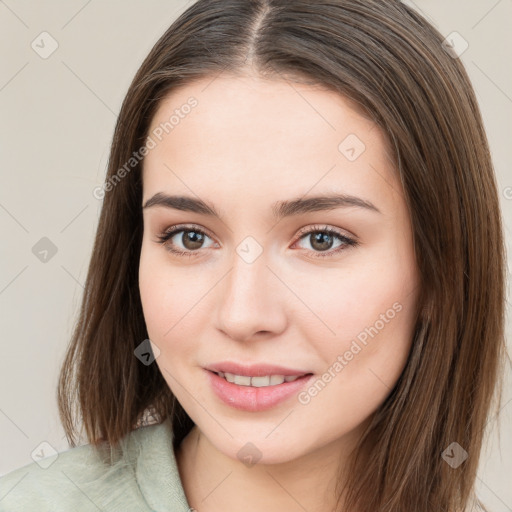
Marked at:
<point>182,241</point>
<point>192,240</point>
<point>322,240</point>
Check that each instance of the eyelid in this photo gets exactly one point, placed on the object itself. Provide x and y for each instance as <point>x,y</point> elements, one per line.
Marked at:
<point>325,227</point>
<point>185,227</point>
<point>302,231</point>
<point>349,240</point>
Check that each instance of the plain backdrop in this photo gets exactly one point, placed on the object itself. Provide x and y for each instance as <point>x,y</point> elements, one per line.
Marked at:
<point>56,123</point>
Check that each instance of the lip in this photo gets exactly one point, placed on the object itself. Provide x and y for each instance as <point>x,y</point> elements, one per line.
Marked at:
<point>254,370</point>
<point>255,399</point>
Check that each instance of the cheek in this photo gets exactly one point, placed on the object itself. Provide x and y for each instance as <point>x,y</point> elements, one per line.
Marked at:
<point>159,289</point>
<point>173,308</point>
<point>152,293</point>
<point>371,317</point>
<point>372,342</point>
<point>362,365</point>
<point>352,303</point>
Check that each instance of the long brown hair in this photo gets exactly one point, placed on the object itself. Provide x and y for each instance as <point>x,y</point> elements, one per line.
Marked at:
<point>390,62</point>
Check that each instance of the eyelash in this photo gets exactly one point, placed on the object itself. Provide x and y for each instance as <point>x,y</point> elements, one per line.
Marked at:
<point>166,235</point>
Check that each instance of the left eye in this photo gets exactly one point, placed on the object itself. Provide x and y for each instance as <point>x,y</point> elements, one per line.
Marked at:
<point>321,240</point>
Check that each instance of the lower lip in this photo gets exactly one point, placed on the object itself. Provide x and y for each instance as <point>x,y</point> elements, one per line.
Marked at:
<point>248,398</point>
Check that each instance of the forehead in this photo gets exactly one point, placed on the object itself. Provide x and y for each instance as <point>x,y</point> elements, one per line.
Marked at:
<point>248,133</point>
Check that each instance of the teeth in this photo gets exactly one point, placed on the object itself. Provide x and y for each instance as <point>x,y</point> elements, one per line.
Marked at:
<point>257,382</point>
<point>260,382</point>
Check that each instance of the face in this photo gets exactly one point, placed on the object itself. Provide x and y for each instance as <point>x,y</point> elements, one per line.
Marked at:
<point>324,289</point>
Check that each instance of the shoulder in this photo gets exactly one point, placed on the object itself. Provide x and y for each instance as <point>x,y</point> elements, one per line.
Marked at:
<point>80,479</point>
<point>53,482</point>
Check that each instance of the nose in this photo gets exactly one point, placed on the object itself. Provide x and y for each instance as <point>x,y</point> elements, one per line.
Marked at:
<point>251,301</point>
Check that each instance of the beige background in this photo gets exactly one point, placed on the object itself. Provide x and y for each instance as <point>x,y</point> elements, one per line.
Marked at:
<point>57,119</point>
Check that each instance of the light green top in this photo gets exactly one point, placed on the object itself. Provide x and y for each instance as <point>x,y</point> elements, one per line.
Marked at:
<point>144,479</point>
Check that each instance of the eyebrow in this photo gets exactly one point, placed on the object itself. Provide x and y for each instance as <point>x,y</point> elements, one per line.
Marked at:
<point>280,209</point>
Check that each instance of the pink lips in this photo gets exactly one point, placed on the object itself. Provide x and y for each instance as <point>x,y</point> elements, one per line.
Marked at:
<point>254,370</point>
<point>254,399</point>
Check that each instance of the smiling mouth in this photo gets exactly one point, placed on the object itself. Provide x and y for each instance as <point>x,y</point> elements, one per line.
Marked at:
<point>260,381</point>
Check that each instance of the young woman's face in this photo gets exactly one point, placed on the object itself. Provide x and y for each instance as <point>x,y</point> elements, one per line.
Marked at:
<point>320,287</point>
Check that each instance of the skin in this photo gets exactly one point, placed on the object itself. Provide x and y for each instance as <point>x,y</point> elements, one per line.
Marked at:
<point>248,143</point>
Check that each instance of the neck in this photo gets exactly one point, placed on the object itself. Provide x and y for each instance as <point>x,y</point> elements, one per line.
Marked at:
<point>214,482</point>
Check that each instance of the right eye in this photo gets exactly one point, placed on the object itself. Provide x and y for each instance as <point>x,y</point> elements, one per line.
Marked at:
<point>191,239</point>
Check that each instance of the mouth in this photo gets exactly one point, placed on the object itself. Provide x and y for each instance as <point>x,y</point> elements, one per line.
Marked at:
<point>261,381</point>
<point>255,393</point>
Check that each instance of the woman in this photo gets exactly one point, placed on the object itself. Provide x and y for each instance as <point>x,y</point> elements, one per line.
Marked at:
<point>301,214</point>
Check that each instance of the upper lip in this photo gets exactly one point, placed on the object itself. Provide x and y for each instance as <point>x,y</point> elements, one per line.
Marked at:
<point>253,370</point>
